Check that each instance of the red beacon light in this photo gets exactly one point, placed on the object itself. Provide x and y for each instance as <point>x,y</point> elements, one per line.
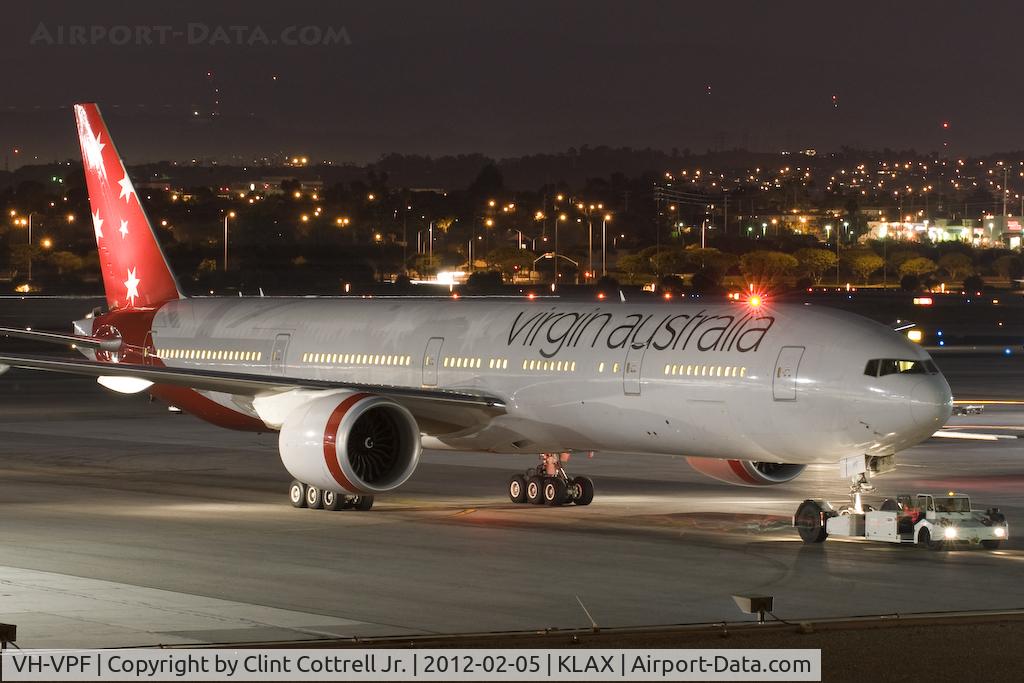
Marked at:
<point>667,296</point>
<point>755,300</point>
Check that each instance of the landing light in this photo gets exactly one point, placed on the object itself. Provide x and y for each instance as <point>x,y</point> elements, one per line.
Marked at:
<point>124,385</point>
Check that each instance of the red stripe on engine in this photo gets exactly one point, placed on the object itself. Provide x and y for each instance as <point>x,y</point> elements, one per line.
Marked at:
<point>331,438</point>
<point>742,473</point>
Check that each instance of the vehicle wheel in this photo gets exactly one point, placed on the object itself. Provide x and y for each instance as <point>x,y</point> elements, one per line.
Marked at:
<point>583,490</point>
<point>810,522</point>
<point>517,489</point>
<point>333,501</point>
<point>362,503</point>
<point>535,491</point>
<point>555,491</point>
<point>990,544</point>
<point>297,494</point>
<point>314,498</point>
<point>924,538</point>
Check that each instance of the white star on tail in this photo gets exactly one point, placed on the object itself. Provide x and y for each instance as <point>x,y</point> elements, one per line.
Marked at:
<point>97,223</point>
<point>92,148</point>
<point>126,188</point>
<point>123,229</point>
<point>132,283</point>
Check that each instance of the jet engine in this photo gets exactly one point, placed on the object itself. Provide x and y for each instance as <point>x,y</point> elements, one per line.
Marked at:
<point>746,472</point>
<point>351,443</point>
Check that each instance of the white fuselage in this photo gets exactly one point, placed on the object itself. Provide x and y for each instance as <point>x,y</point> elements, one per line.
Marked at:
<point>779,383</point>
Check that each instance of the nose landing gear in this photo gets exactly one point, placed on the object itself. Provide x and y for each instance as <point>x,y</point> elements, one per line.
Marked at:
<point>306,496</point>
<point>550,484</point>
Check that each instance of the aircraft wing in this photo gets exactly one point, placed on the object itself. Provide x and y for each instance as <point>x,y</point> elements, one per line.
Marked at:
<point>437,405</point>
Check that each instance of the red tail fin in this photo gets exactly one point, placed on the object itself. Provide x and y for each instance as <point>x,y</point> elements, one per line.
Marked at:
<point>135,270</point>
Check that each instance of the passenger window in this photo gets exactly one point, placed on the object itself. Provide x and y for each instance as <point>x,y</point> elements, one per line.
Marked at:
<point>871,369</point>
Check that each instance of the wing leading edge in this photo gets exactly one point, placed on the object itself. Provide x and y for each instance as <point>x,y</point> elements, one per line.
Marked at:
<point>429,401</point>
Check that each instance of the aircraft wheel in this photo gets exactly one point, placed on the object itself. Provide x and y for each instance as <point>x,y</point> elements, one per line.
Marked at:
<point>555,491</point>
<point>535,491</point>
<point>314,498</point>
<point>810,522</point>
<point>517,489</point>
<point>362,503</point>
<point>583,490</point>
<point>297,494</point>
<point>333,501</point>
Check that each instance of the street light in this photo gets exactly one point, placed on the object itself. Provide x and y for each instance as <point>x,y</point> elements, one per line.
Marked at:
<point>29,223</point>
<point>604,243</point>
<point>561,217</point>
<point>229,214</point>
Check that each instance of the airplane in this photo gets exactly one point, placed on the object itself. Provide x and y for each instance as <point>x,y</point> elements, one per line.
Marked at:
<point>750,392</point>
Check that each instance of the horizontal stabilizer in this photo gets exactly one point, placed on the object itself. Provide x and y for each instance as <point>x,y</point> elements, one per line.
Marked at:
<point>94,343</point>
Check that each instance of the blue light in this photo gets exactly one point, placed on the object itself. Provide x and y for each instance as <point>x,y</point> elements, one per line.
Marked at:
<point>942,343</point>
<point>1006,351</point>
<point>939,333</point>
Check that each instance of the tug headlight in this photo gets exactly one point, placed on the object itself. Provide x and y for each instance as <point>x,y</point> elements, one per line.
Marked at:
<point>999,531</point>
<point>950,532</point>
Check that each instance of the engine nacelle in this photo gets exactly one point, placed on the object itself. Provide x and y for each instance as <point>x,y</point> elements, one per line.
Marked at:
<point>351,443</point>
<point>746,472</point>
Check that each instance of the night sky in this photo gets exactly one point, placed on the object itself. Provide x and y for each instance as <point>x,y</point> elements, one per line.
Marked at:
<point>512,78</point>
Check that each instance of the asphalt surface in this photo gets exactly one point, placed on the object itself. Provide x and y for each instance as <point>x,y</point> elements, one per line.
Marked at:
<point>124,524</point>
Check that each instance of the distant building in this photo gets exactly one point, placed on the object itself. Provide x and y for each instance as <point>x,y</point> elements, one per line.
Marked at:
<point>989,231</point>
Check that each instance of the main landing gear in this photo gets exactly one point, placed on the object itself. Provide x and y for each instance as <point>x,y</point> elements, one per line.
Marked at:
<point>548,484</point>
<point>305,496</point>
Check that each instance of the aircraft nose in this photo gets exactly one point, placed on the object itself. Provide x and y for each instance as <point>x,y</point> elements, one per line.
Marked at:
<point>931,402</point>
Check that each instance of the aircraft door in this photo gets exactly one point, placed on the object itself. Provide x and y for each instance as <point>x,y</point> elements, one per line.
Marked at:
<point>279,354</point>
<point>631,370</point>
<point>431,358</point>
<point>784,381</point>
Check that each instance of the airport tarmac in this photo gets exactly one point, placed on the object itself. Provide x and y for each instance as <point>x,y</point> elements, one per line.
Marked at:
<point>122,524</point>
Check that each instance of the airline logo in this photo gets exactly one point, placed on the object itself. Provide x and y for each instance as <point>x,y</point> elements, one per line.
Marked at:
<point>555,329</point>
<point>135,273</point>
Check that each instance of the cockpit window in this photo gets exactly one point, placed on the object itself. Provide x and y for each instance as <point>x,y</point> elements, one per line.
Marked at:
<point>953,504</point>
<point>880,367</point>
